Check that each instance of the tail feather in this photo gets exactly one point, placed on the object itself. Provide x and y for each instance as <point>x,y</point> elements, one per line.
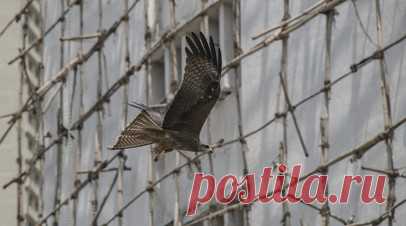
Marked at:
<point>134,134</point>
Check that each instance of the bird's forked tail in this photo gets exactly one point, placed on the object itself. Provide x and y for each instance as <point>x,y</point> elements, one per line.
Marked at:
<point>137,134</point>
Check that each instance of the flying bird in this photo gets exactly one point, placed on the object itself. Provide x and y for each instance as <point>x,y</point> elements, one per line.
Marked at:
<point>182,120</point>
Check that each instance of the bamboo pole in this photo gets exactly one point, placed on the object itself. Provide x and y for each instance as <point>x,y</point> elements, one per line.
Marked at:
<point>291,109</point>
<point>105,198</point>
<point>325,114</point>
<point>60,125</point>
<point>151,167</point>
<point>124,117</point>
<point>174,81</point>
<point>204,27</point>
<point>80,38</point>
<point>236,8</point>
<point>78,150</point>
<point>283,150</point>
<point>387,115</point>
<point>19,160</point>
<point>99,122</point>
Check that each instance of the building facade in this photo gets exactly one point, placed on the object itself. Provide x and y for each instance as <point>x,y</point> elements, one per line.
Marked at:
<point>325,80</point>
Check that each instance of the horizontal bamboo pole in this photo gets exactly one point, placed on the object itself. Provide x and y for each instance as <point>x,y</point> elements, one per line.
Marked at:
<point>80,38</point>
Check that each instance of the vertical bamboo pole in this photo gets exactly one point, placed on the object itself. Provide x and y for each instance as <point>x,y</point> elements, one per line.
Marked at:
<point>60,124</point>
<point>76,163</point>
<point>20,217</point>
<point>99,123</point>
<point>40,137</point>
<point>78,149</point>
<point>204,27</point>
<point>283,150</point>
<point>151,167</point>
<point>387,116</point>
<point>325,114</point>
<point>236,8</point>
<point>174,80</point>
<point>122,158</point>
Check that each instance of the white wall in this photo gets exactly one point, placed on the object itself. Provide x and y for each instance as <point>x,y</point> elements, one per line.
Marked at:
<point>9,86</point>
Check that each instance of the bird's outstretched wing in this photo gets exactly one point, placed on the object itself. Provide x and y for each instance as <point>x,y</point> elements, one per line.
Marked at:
<point>200,87</point>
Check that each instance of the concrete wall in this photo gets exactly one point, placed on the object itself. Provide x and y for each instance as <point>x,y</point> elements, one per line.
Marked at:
<point>9,85</point>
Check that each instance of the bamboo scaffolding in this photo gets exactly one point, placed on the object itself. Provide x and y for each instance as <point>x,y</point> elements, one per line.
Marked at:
<point>353,68</point>
<point>74,194</point>
<point>138,66</point>
<point>168,36</point>
<point>358,151</point>
<point>301,20</point>
<point>61,75</point>
<point>387,116</point>
<point>282,30</point>
<point>45,33</point>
